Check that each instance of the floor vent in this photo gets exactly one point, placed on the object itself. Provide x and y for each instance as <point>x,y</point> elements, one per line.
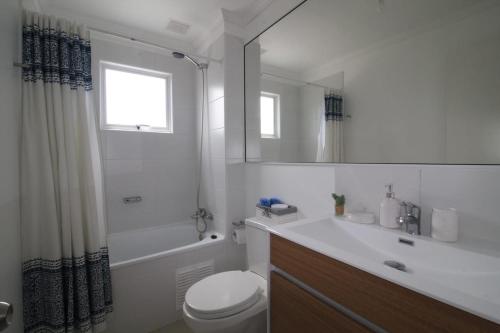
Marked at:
<point>185,277</point>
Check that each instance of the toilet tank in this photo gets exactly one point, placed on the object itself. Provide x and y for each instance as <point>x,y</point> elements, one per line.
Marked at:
<point>257,247</point>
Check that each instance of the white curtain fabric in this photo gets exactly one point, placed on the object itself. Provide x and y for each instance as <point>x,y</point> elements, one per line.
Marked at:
<point>330,145</point>
<point>333,149</point>
<point>66,278</point>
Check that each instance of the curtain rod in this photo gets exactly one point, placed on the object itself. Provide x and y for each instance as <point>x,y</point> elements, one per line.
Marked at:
<point>21,65</point>
<point>141,41</point>
<point>300,81</point>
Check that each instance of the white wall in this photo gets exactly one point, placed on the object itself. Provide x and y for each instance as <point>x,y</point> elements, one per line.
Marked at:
<point>160,167</point>
<point>10,89</point>
<point>214,152</point>
<point>234,145</point>
<point>472,190</point>
<point>235,191</point>
<point>223,156</point>
<point>472,98</point>
<point>305,186</point>
<point>312,110</point>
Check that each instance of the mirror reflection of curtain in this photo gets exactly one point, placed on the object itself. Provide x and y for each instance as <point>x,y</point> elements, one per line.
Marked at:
<point>330,135</point>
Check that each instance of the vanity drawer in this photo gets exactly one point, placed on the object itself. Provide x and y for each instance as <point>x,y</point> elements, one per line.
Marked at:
<point>293,310</point>
<point>388,305</point>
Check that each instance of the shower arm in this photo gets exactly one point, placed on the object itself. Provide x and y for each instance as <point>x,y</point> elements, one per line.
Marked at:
<point>197,64</point>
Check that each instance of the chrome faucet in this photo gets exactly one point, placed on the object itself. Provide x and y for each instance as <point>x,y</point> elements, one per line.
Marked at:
<point>410,218</point>
<point>202,213</point>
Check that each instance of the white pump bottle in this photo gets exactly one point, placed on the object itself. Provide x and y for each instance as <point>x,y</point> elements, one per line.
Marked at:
<point>389,209</point>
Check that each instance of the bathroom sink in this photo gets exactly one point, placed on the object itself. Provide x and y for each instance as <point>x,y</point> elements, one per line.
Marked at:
<point>463,278</point>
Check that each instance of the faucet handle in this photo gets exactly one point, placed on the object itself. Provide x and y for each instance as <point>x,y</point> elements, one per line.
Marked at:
<point>410,216</point>
<point>411,209</point>
<point>403,208</point>
<point>408,204</point>
<point>415,211</point>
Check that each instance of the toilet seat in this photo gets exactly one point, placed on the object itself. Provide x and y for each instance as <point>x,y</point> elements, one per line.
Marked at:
<point>223,295</point>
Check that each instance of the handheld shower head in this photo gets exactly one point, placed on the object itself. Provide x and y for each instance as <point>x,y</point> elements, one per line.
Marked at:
<point>179,55</point>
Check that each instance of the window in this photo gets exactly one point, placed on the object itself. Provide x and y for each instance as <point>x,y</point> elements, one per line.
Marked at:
<point>135,99</point>
<point>269,115</point>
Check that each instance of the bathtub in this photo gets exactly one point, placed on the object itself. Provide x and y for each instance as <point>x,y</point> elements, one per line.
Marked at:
<point>131,247</point>
<point>143,272</point>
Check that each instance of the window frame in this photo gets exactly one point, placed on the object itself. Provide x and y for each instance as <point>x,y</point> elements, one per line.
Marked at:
<point>103,66</point>
<point>276,115</point>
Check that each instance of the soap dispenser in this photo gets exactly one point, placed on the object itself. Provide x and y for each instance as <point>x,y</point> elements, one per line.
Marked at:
<point>389,209</point>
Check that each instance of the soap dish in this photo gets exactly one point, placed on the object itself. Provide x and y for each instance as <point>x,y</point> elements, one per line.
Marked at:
<point>364,218</point>
<point>279,206</point>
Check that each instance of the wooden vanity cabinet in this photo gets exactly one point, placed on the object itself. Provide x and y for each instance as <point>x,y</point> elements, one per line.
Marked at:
<point>289,307</point>
<point>385,304</point>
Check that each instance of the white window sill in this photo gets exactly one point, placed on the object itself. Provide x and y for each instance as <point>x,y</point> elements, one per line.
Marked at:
<point>134,130</point>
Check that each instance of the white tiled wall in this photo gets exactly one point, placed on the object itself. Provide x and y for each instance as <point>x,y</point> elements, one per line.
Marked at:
<point>473,190</point>
<point>308,187</point>
<point>227,141</point>
<point>233,72</point>
<point>223,165</point>
<point>234,143</point>
<point>159,167</point>
<point>214,153</point>
<point>364,185</point>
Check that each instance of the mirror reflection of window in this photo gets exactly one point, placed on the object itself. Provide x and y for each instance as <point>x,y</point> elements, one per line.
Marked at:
<point>269,115</point>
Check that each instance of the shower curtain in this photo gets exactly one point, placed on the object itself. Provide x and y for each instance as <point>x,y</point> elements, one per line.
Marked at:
<point>330,146</point>
<point>66,274</point>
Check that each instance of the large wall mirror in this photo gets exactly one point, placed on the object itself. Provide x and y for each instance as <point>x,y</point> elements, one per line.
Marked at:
<point>376,81</point>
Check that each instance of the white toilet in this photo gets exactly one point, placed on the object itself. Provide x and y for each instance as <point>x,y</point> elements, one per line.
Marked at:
<point>233,301</point>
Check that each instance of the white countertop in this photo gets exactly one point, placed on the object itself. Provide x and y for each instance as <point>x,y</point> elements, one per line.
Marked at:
<point>466,279</point>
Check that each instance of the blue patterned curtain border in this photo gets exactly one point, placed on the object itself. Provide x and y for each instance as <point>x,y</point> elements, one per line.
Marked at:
<point>334,107</point>
<point>55,56</point>
<point>67,294</point>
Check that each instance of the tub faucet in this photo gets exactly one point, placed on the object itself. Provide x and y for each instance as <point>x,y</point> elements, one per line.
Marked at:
<point>202,213</point>
<point>410,218</point>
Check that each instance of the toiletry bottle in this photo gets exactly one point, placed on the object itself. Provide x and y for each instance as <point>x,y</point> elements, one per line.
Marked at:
<point>389,209</point>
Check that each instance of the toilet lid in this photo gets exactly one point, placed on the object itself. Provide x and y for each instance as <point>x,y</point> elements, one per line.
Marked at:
<point>223,294</point>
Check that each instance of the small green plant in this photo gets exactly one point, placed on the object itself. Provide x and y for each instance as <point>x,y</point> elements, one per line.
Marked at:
<point>339,199</point>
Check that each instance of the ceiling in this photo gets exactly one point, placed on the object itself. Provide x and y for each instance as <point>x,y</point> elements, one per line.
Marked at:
<point>321,31</point>
<point>154,15</point>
